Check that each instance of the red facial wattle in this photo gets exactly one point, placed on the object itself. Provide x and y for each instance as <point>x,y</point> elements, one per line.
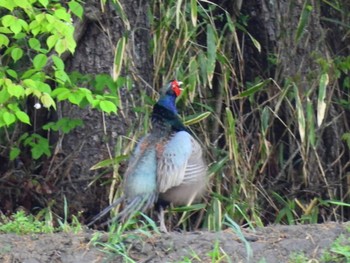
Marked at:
<point>175,86</point>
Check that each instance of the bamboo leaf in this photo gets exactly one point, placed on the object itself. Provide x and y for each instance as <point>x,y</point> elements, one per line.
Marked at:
<point>211,52</point>
<point>254,89</point>
<point>231,129</point>
<point>321,104</point>
<point>303,20</point>
<point>336,202</point>
<point>194,12</point>
<point>300,114</point>
<point>196,118</point>
<point>192,78</point>
<point>255,42</point>
<point>178,13</point>
<point>310,123</point>
<point>118,58</point>
<point>265,118</point>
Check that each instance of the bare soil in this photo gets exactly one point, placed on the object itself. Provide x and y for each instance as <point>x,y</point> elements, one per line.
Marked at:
<point>270,244</point>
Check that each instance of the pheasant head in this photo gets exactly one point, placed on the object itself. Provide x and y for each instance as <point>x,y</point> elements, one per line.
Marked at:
<point>169,93</point>
<point>164,115</point>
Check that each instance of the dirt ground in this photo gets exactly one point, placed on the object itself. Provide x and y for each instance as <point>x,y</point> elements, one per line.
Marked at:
<point>269,244</point>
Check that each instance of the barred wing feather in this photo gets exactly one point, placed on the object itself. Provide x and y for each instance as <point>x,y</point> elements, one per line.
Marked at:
<point>179,162</point>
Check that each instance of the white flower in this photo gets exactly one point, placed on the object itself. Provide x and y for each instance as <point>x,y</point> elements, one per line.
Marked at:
<point>37,105</point>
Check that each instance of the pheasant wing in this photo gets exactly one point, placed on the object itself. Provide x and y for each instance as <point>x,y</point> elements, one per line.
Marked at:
<point>172,160</point>
<point>196,167</point>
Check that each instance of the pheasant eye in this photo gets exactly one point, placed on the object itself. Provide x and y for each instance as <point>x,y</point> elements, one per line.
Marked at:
<point>175,86</point>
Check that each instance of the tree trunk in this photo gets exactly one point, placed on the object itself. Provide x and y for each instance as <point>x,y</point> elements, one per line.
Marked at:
<point>295,50</point>
<point>96,140</point>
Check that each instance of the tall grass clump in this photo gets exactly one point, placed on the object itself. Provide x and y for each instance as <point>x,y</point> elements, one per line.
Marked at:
<point>273,136</point>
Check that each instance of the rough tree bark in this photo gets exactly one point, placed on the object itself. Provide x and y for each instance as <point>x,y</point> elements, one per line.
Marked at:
<point>308,172</point>
<point>95,141</point>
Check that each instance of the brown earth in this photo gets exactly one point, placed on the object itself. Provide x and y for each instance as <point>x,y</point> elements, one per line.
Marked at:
<point>270,244</point>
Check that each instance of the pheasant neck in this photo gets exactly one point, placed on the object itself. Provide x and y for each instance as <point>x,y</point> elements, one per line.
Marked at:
<point>165,120</point>
<point>168,102</point>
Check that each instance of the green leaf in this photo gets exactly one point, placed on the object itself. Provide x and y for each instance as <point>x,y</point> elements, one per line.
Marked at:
<point>61,46</point>
<point>118,57</point>
<point>43,87</point>
<point>10,5</point>
<point>109,162</point>
<point>230,23</point>
<point>108,106</point>
<point>35,27</point>
<point>44,3</point>
<point>233,142</point>
<point>58,62</point>
<point>310,121</point>
<point>39,61</point>
<point>303,20</point>
<point>12,73</point>
<point>71,44</point>
<point>196,118</point>
<point>47,101</point>
<point>4,96</point>
<point>8,118</point>
<point>76,9</point>
<point>336,202</point>
<point>61,76</point>
<point>16,28</point>
<point>346,137</point>
<point>24,25</point>
<point>178,13</point>
<point>22,116</point>
<point>29,83</point>
<point>65,125</point>
<point>255,42</point>
<point>39,145</point>
<point>252,90</point>
<point>23,3</point>
<point>4,40</point>
<point>15,90</point>
<point>8,20</point>
<point>62,14</point>
<point>75,97</point>
<point>61,93</point>
<point>14,153</point>
<point>211,52</point>
<point>300,114</point>
<point>51,41</point>
<point>265,119</point>
<point>194,12</point>
<point>34,43</point>
<point>321,104</point>
<point>16,54</point>
<point>13,106</point>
